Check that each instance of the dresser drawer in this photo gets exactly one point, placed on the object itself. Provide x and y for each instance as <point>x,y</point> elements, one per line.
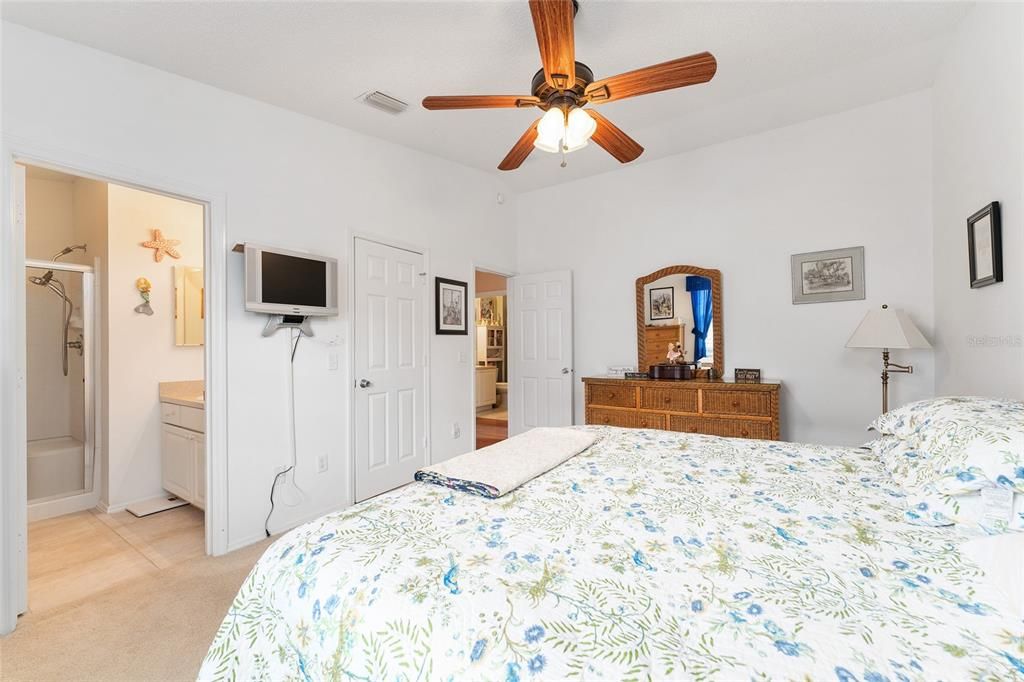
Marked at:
<point>668,399</point>
<point>663,334</point>
<point>611,395</point>
<point>624,418</point>
<point>754,403</point>
<point>730,428</point>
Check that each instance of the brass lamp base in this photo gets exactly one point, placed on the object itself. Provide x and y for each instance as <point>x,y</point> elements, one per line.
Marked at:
<point>890,367</point>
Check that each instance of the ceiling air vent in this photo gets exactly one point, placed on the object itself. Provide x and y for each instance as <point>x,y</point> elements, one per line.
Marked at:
<point>378,100</point>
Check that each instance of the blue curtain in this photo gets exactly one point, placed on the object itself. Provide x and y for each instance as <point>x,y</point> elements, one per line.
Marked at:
<point>700,298</point>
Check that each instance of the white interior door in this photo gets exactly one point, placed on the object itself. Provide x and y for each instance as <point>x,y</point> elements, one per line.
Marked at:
<point>389,366</point>
<point>540,351</point>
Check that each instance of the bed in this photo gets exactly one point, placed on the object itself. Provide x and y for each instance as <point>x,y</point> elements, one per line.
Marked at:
<point>650,555</point>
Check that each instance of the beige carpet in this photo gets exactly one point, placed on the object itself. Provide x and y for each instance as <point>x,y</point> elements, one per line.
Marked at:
<point>156,627</point>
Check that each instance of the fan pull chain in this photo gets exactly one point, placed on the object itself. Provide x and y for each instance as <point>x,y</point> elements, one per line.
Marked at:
<point>564,148</point>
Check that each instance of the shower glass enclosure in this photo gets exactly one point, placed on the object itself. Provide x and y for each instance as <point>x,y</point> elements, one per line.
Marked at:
<point>59,387</point>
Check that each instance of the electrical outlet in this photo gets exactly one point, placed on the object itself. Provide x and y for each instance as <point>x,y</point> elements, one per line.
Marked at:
<point>456,430</point>
<point>332,361</point>
<point>321,464</point>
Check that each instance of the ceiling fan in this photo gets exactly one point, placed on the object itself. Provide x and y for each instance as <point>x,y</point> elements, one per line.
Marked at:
<point>564,86</point>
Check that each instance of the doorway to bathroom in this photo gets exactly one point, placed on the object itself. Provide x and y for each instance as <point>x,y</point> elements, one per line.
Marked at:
<point>491,371</point>
<point>115,325</point>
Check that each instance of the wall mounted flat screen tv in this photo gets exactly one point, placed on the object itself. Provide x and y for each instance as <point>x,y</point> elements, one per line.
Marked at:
<point>285,282</point>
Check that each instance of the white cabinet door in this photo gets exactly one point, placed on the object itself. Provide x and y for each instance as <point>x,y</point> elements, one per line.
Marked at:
<point>177,460</point>
<point>390,373</point>
<point>540,351</point>
<point>199,458</point>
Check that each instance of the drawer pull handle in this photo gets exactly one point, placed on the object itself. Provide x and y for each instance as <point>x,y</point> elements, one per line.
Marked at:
<point>745,433</point>
<point>611,396</point>
<point>735,403</point>
<point>606,420</point>
<point>668,400</point>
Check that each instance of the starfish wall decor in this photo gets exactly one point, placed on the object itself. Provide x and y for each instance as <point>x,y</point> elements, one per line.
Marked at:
<point>161,246</point>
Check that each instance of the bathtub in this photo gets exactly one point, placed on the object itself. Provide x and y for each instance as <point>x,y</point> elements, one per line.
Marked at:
<point>56,467</point>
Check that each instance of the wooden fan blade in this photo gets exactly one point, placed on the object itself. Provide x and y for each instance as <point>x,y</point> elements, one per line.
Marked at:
<point>520,150</point>
<point>678,73</point>
<point>613,140</point>
<point>479,102</point>
<point>552,20</point>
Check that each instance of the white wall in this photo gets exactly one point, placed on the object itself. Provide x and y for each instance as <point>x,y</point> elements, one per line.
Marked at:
<point>291,181</point>
<point>860,178</point>
<point>978,144</point>
<point>141,347</point>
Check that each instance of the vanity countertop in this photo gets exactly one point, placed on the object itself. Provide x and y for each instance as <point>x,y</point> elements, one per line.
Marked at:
<point>187,393</point>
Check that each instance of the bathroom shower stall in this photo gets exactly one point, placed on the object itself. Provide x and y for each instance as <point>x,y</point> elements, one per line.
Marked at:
<point>60,405</point>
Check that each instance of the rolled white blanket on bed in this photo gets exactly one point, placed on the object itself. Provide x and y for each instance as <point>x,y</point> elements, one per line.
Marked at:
<point>499,469</point>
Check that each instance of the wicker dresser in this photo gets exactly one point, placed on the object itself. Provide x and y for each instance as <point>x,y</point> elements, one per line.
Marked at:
<point>717,408</point>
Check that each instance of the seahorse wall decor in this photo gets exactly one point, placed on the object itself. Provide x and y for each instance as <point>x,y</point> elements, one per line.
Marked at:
<point>144,285</point>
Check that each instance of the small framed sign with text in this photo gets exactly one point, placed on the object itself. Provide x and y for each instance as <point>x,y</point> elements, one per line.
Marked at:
<point>748,376</point>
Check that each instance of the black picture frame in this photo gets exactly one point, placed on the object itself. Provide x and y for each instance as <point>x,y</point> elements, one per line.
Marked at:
<point>672,303</point>
<point>443,286</point>
<point>985,259</point>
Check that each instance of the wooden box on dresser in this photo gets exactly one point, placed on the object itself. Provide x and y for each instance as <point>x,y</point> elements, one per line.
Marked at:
<point>716,408</point>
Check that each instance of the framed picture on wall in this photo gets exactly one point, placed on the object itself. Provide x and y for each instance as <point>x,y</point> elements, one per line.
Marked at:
<point>450,306</point>
<point>985,246</point>
<point>662,303</point>
<point>827,276</point>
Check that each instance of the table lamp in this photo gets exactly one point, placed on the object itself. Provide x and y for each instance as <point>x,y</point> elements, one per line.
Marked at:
<point>887,328</point>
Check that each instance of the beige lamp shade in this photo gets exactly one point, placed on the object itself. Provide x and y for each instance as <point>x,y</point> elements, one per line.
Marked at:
<point>887,328</point>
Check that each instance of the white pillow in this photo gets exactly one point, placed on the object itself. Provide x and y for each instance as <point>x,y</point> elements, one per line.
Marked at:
<point>1002,559</point>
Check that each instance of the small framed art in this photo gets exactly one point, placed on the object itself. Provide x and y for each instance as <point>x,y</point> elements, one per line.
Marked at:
<point>662,303</point>
<point>450,306</point>
<point>827,276</point>
<point>985,246</point>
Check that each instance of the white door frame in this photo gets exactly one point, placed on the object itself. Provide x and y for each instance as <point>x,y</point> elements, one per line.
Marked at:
<point>13,492</point>
<point>472,358</point>
<point>428,331</point>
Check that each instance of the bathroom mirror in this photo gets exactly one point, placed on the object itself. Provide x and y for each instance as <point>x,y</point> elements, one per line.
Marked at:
<point>680,304</point>
<point>189,295</point>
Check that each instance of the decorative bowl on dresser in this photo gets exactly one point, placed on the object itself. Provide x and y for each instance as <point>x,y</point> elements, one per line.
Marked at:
<point>715,408</point>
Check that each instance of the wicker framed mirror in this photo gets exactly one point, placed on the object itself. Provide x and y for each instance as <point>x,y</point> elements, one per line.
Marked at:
<point>680,304</point>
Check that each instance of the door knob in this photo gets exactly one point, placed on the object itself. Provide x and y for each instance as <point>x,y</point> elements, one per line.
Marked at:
<point>364,383</point>
<point>565,370</point>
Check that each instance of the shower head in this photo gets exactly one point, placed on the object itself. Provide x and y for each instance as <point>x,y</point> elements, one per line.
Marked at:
<point>42,281</point>
<point>68,249</point>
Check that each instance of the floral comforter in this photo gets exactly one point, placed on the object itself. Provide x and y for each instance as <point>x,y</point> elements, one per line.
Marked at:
<point>650,555</point>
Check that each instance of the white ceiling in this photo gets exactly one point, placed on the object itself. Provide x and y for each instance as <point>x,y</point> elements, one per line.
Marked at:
<point>778,63</point>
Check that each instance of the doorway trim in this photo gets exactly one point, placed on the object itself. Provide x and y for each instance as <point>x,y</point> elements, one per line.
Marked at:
<point>13,492</point>
<point>477,267</point>
<point>350,323</point>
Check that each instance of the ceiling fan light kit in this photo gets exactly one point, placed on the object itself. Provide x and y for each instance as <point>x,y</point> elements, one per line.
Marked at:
<point>564,86</point>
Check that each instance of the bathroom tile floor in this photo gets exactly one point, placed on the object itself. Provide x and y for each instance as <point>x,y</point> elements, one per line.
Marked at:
<point>77,555</point>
